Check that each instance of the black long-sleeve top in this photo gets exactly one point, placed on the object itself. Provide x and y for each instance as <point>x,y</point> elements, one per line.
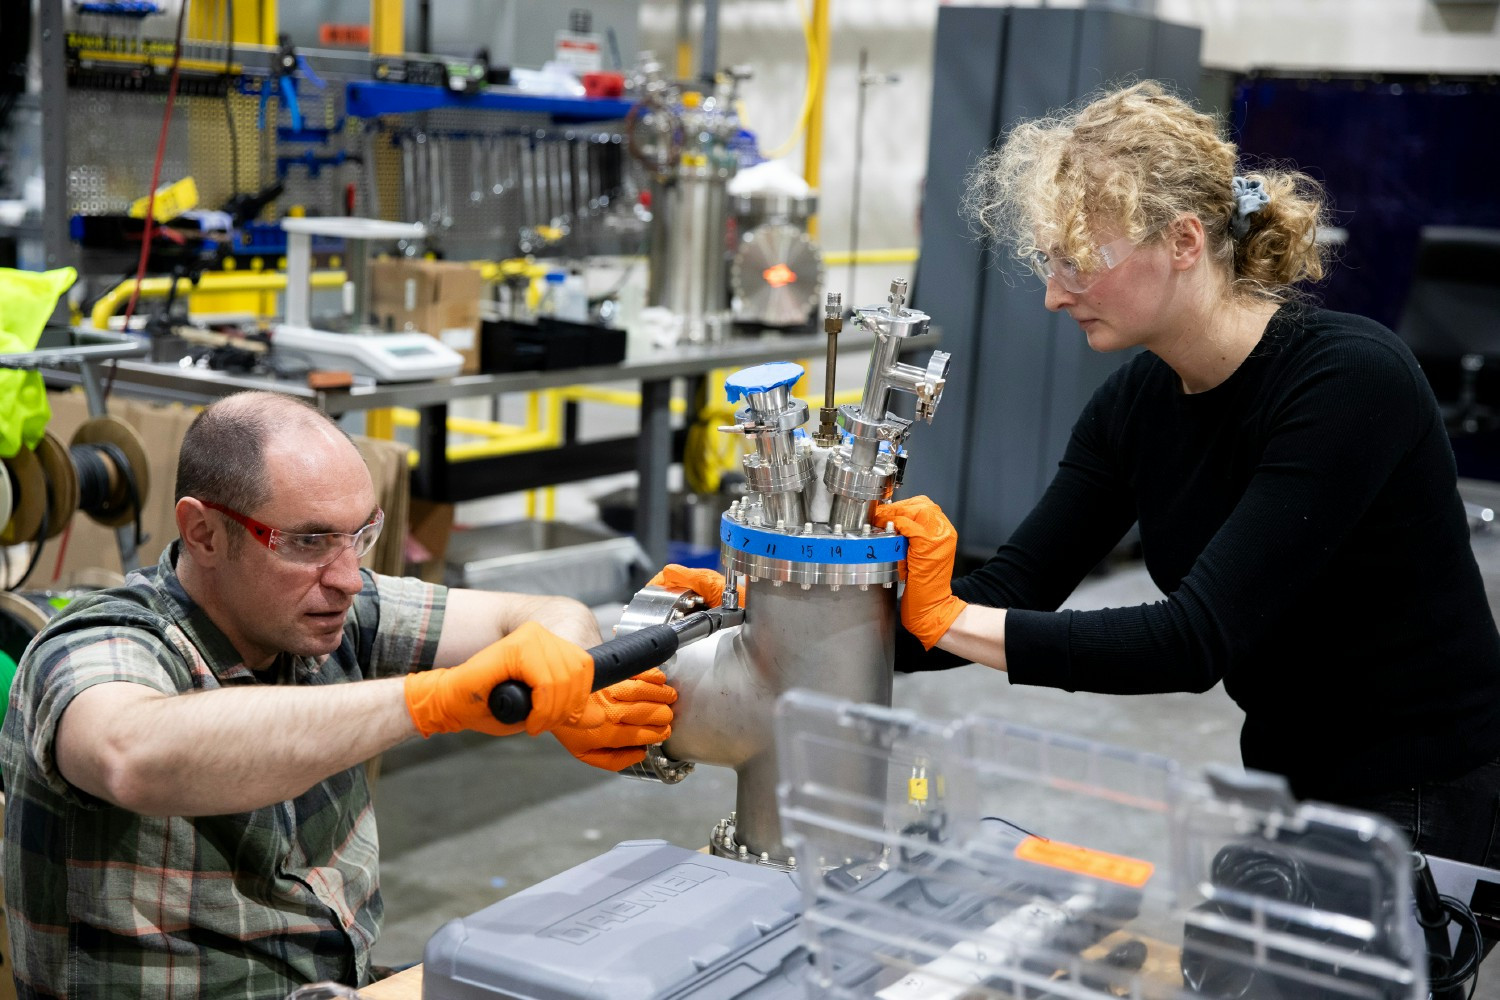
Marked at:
<point>1303,518</point>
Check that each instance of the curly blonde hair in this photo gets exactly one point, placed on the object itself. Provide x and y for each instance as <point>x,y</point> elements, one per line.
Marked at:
<point>1135,159</point>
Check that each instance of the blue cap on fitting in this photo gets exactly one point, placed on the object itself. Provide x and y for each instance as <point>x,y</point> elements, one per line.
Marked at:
<point>761,378</point>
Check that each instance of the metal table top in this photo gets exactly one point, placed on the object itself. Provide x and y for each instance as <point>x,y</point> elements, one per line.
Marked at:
<point>171,382</point>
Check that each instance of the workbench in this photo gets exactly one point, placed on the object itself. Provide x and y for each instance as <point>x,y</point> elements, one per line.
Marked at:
<point>650,453</point>
<point>402,986</point>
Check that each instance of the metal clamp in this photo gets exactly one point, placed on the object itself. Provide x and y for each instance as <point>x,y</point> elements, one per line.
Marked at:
<point>873,428</point>
<point>658,767</point>
<point>658,606</point>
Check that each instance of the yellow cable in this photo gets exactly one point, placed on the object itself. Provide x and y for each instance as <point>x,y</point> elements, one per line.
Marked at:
<point>815,70</point>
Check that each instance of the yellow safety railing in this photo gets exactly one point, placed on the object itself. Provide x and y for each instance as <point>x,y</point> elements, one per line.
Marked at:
<point>543,429</point>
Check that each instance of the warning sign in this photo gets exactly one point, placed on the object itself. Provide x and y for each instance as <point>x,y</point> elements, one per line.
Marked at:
<point>582,53</point>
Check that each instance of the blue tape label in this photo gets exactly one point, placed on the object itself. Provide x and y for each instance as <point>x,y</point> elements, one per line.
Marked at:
<point>838,549</point>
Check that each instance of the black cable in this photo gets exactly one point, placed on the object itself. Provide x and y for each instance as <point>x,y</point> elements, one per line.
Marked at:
<point>94,495</point>
<point>1013,826</point>
<point>132,490</point>
<point>36,545</point>
<point>93,478</point>
<point>1471,958</point>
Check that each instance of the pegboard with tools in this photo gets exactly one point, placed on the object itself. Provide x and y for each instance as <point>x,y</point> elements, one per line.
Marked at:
<point>262,130</point>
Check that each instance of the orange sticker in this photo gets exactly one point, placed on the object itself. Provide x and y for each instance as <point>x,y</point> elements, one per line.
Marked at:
<point>1082,861</point>
<point>779,276</point>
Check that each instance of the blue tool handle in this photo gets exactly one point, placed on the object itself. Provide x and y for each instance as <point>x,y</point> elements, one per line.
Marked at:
<point>289,98</point>
<point>615,660</point>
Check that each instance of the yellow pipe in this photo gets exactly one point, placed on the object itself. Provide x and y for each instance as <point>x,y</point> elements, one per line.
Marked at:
<point>268,25</point>
<point>236,281</point>
<point>487,429</point>
<point>894,256</point>
<point>684,42</point>
<point>387,28</point>
<point>381,424</point>
<point>812,147</point>
<point>529,441</point>
<point>552,421</point>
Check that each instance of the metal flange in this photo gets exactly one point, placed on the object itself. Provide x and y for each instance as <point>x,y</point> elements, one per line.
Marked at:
<point>780,477</point>
<point>811,554</point>
<point>844,479</point>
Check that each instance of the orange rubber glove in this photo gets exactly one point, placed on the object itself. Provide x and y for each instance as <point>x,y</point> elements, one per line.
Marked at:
<point>619,722</point>
<point>707,583</point>
<point>558,672</point>
<point>928,606</point>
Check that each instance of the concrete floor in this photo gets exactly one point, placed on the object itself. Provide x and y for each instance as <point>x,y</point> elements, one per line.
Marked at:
<point>467,820</point>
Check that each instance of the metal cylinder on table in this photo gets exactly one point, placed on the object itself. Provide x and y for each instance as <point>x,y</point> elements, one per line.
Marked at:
<point>689,230</point>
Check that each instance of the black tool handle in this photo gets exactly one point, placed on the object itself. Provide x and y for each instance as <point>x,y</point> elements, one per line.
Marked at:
<point>614,660</point>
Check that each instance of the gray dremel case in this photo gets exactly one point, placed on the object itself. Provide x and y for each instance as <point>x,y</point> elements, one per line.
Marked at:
<point>644,920</point>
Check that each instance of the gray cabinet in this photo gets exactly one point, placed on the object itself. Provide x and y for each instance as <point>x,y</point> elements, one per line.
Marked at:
<point>1021,374</point>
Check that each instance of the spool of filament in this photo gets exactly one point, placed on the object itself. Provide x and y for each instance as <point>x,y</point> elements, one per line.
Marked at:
<point>29,490</point>
<point>114,477</point>
<point>22,615</point>
<point>7,496</point>
<point>62,483</point>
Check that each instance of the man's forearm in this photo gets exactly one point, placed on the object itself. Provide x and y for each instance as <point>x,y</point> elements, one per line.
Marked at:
<point>562,615</point>
<point>474,618</point>
<point>223,751</point>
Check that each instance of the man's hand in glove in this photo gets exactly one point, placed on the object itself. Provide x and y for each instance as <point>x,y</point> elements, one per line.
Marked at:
<point>558,672</point>
<point>928,607</point>
<point>619,722</point>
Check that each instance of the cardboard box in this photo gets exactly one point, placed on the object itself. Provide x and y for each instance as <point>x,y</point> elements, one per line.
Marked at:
<point>91,546</point>
<point>431,527</point>
<point>436,297</point>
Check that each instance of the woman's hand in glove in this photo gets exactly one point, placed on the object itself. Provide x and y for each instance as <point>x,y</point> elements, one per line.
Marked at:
<point>928,607</point>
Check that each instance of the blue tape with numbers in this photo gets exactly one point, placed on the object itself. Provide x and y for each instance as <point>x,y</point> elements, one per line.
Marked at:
<point>838,549</point>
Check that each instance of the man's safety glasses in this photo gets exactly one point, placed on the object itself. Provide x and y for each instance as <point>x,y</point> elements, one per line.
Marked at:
<point>1066,270</point>
<point>317,548</point>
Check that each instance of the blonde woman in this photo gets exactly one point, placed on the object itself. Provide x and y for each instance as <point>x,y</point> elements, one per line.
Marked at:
<point>1287,466</point>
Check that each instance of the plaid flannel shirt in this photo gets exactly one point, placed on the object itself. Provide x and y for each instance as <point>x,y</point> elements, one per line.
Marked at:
<point>103,902</point>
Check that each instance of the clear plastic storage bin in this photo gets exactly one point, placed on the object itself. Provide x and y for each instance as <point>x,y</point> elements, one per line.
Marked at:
<point>1009,862</point>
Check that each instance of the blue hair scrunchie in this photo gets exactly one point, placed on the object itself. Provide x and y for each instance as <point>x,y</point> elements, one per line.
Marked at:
<point>1249,197</point>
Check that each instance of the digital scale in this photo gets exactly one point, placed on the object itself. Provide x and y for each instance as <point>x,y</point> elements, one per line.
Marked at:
<point>387,357</point>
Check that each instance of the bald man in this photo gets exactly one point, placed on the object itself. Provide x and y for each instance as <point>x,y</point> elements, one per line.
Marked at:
<point>187,812</point>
